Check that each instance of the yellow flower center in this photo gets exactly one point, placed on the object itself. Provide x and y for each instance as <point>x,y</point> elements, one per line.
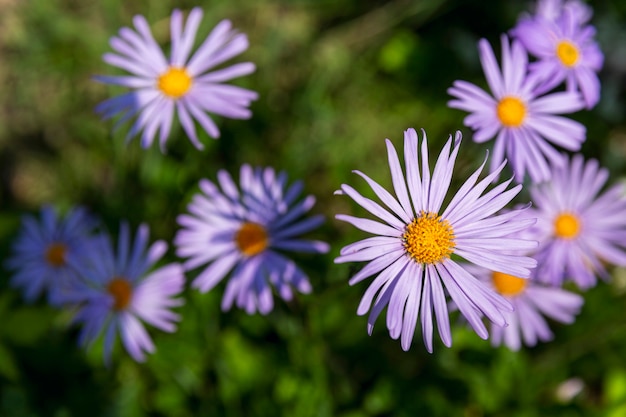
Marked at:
<point>175,82</point>
<point>121,291</point>
<point>508,285</point>
<point>511,111</point>
<point>566,226</point>
<point>251,239</point>
<point>55,254</point>
<point>428,238</point>
<point>568,53</point>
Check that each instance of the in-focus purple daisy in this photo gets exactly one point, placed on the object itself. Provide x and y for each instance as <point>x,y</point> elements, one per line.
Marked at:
<point>579,229</point>
<point>244,230</point>
<point>532,301</point>
<point>42,248</point>
<point>566,51</point>
<point>413,246</point>
<point>183,84</point>
<point>525,125</point>
<point>119,290</point>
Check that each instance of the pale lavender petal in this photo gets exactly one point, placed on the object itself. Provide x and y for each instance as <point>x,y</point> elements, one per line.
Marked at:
<point>135,338</point>
<point>228,73</point>
<point>369,226</point>
<point>184,41</point>
<point>214,273</point>
<point>387,198</point>
<point>375,266</point>
<point>490,67</point>
<point>373,207</point>
<point>399,184</point>
<point>413,177</point>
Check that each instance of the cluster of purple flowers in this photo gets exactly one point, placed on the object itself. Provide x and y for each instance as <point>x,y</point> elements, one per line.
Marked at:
<point>115,289</point>
<point>507,265</point>
<point>433,250</point>
<point>578,227</point>
<point>111,288</point>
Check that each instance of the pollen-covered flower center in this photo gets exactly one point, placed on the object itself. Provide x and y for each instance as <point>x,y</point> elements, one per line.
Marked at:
<point>506,284</point>
<point>121,291</point>
<point>428,238</point>
<point>511,111</point>
<point>175,82</point>
<point>55,254</point>
<point>566,226</point>
<point>568,53</point>
<point>251,238</point>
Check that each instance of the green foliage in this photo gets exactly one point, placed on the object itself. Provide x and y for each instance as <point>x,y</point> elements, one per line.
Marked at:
<point>335,78</point>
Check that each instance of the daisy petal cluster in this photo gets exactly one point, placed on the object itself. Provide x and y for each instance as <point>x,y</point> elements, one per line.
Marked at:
<point>553,9</point>
<point>416,237</point>
<point>187,83</point>
<point>42,251</point>
<point>579,227</point>
<point>245,229</point>
<point>527,126</point>
<point>580,231</point>
<point>533,303</point>
<point>565,48</point>
<point>120,290</point>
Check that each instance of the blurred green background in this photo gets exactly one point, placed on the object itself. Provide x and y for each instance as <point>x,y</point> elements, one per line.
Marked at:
<point>335,78</point>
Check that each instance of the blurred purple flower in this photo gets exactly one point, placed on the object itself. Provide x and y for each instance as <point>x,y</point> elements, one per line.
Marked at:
<point>553,9</point>
<point>525,125</point>
<point>579,230</point>
<point>566,52</point>
<point>532,301</point>
<point>42,250</point>
<point>181,84</point>
<point>412,247</point>
<point>243,230</point>
<point>118,291</point>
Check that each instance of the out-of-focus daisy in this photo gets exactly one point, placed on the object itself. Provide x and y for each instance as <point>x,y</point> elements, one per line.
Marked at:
<point>566,52</point>
<point>525,126</point>
<point>579,229</point>
<point>245,230</point>
<point>42,248</point>
<point>531,301</point>
<point>553,9</point>
<point>416,239</point>
<point>182,84</point>
<point>119,290</point>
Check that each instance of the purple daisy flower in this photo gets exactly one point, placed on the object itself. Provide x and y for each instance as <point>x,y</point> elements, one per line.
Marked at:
<point>525,126</point>
<point>413,245</point>
<point>566,52</point>
<point>118,291</point>
<point>182,84</point>
<point>531,301</point>
<point>579,229</point>
<point>243,230</point>
<point>42,248</point>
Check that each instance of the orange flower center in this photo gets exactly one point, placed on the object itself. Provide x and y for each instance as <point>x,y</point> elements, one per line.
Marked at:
<point>428,238</point>
<point>511,111</point>
<point>121,291</point>
<point>566,226</point>
<point>251,239</point>
<point>175,82</point>
<point>568,53</point>
<point>55,254</point>
<point>508,285</point>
